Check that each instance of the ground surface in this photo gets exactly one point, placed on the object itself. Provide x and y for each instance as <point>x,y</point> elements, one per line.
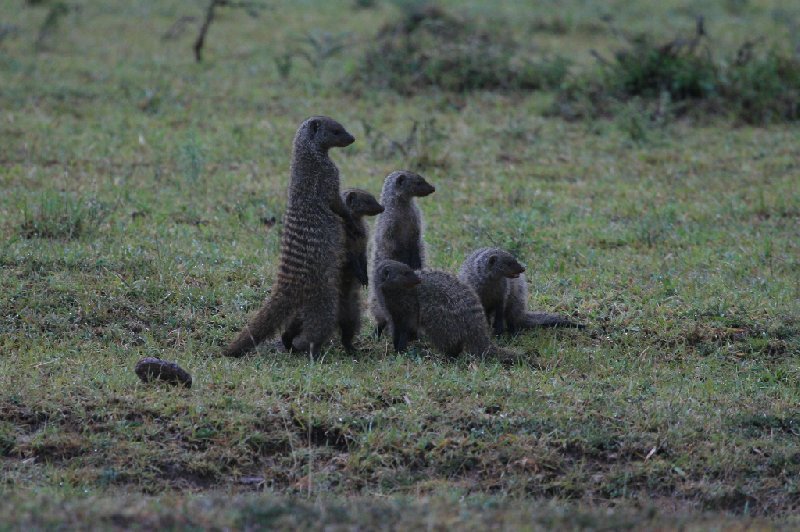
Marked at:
<point>137,192</point>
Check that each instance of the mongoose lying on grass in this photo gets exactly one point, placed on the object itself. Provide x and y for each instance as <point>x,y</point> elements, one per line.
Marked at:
<point>498,279</point>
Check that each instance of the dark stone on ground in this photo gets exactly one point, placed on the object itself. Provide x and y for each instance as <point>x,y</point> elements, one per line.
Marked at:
<point>149,369</point>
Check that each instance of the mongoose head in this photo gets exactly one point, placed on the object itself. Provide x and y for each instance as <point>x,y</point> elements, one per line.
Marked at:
<point>393,275</point>
<point>406,185</point>
<point>500,263</point>
<point>323,133</point>
<point>361,203</point>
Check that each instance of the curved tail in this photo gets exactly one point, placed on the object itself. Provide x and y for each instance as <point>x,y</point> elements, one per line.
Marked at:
<point>263,325</point>
<point>543,319</point>
<point>509,357</point>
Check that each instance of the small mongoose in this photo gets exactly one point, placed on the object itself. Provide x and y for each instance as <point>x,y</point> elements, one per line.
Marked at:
<point>360,203</point>
<point>498,279</point>
<point>446,311</point>
<point>395,286</point>
<point>306,291</point>
<point>398,231</point>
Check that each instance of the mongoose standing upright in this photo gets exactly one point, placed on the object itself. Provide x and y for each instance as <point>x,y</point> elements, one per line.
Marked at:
<point>498,279</point>
<point>398,231</point>
<point>306,291</point>
<point>447,311</point>
<point>360,203</point>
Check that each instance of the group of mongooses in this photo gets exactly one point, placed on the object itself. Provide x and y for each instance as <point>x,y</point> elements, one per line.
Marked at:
<point>323,263</point>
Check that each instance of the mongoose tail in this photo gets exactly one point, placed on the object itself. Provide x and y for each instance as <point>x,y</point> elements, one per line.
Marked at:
<point>503,355</point>
<point>263,325</point>
<point>543,319</point>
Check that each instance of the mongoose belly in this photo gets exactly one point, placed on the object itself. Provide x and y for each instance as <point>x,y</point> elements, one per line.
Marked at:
<point>311,249</point>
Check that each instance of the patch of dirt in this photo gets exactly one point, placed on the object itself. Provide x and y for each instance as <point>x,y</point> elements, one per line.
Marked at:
<point>184,476</point>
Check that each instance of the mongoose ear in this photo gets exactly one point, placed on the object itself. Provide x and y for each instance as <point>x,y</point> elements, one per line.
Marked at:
<point>314,126</point>
<point>401,179</point>
<point>492,260</point>
<point>350,199</point>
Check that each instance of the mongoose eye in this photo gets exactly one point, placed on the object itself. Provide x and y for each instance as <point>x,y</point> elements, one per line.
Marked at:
<point>401,179</point>
<point>492,260</point>
<point>385,275</point>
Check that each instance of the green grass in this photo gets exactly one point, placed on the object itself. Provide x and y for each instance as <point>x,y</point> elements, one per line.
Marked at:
<point>134,184</point>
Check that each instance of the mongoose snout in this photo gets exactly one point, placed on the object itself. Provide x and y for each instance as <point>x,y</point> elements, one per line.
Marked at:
<point>412,279</point>
<point>515,271</point>
<point>424,189</point>
<point>394,275</point>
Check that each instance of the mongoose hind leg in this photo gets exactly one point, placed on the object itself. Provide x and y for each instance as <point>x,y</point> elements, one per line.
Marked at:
<point>349,322</point>
<point>291,332</point>
<point>319,320</point>
<point>380,325</point>
<point>400,338</point>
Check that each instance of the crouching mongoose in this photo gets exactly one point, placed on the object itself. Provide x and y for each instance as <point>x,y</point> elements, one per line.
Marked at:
<point>437,304</point>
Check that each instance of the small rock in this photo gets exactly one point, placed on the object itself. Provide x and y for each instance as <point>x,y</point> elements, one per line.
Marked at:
<point>150,368</point>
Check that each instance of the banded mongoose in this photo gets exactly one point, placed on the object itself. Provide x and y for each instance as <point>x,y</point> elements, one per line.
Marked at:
<point>398,231</point>
<point>360,203</point>
<point>498,279</point>
<point>445,310</point>
<point>395,284</point>
<point>306,291</point>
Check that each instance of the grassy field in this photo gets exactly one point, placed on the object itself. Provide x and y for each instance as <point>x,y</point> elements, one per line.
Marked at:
<point>137,192</point>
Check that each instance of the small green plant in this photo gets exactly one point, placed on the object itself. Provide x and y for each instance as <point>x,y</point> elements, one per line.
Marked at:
<point>192,160</point>
<point>60,216</point>
<point>649,70</point>
<point>685,74</point>
<point>7,439</point>
<point>317,47</point>
<point>430,48</point>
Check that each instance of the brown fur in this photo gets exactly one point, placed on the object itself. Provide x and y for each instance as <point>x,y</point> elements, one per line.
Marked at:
<point>445,310</point>
<point>398,231</point>
<point>498,279</point>
<point>306,291</point>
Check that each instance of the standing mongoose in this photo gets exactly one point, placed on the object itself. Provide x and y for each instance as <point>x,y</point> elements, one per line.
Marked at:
<point>498,279</point>
<point>306,291</point>
<point>447,311</point>
<point>360,203</point>
<point>398,231</point>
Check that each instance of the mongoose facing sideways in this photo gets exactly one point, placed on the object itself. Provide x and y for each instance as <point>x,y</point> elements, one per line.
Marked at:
<point>360,203</point>
<point>306,291</point>
<point>398,231</point>
<point>445,310</point>
<point>498,279</point>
